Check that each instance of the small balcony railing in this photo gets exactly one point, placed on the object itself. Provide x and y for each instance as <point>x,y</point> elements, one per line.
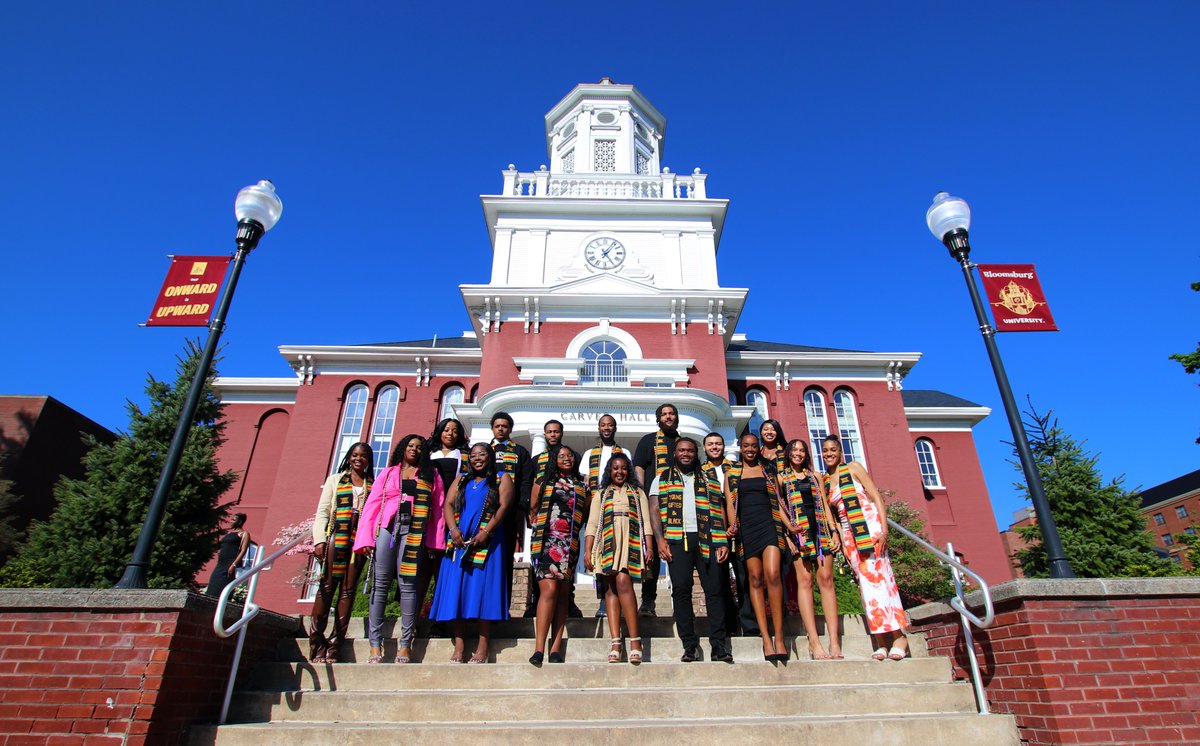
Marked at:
<point>542,183</point>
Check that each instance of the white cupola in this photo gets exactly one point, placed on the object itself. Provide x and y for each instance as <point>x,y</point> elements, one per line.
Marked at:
<point>605,127</point>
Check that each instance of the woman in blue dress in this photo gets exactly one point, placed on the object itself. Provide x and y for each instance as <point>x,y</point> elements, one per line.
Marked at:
<point>471,580</point>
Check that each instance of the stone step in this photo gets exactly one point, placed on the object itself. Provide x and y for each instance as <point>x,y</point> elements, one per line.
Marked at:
<point>581,649</point>
<point>993,730</point>
<point>658,626</point>
<point>517,706</point>
<point>282,677</point>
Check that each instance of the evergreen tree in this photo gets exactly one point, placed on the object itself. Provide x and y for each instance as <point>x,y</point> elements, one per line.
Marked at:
<point>89,538</point>
<point>1190,360</point>
<point>1102,528</point>
<point>1192,542</point>
<point>9,535</point>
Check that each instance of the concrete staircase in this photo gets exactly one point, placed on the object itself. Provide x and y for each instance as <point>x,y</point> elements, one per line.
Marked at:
<point>587,700</point>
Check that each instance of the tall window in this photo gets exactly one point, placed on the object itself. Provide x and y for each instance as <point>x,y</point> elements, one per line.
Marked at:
<point>818,426</point>
<point>606,155</point>
<point>353,415</point>
<point>451,396</point>
<point>1181,511</point>
<point>604,364</point>
<point>848,431</point>
<point>732,397</point>
<point>384,424</point>
<point>929,470</point>
<point>757,398</point>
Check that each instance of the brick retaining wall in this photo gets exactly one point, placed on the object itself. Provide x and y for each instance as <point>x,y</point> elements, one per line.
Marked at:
<point>1101,661</point>
<point>115,666</point>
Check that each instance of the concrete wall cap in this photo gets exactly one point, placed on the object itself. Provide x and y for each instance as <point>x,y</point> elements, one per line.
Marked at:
<point>1065,590</point>
<point>95,599</point>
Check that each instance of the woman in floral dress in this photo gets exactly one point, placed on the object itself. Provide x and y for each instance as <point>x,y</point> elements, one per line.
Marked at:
<point>861,514</point>
<point>558,502</point>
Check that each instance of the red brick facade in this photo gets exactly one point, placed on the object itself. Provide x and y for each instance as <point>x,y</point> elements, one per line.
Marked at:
<point>1086,661</point>
<point>115,667</point>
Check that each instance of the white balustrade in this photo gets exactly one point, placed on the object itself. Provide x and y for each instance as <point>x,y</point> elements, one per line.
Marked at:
<point>615,186</point>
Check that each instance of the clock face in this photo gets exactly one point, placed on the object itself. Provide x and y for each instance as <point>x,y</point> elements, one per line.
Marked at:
<point>604,253</point>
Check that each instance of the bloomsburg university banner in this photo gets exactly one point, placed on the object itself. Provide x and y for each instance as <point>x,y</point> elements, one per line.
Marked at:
<point>1016,297</point>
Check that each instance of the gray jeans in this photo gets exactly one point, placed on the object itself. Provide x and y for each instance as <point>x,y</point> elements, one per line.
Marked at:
<point>387,569</point>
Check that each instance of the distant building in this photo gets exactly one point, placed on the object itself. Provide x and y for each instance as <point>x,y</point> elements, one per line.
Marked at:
<point>1173,508</point>
<point>41,440</point>
<point>1013,542</point>
<point>603,297</point>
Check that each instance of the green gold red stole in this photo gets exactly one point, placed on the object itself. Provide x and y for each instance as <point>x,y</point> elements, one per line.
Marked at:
<point>507,462</point>
<point>593,479</point>
<point>732,477</point>
<point>340,534</point>
<point>710,519</point>
<point>793,486</point>
<point>853,507</point>
<point>416,532</point>
<point>477,554</point>
<point>662,455</point>
<point>608,535</point>
<point>541,525</point>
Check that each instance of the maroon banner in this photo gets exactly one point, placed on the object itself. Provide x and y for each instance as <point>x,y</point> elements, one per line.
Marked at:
<point>190,291</point>
<point>1016,297</point>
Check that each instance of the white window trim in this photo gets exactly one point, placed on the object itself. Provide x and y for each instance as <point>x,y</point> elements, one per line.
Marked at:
<point>339,450</point>
<point>937,471</point>
<point>857,424</point>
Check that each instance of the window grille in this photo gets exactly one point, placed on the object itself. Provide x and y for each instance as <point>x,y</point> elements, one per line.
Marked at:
<point>604,364</point>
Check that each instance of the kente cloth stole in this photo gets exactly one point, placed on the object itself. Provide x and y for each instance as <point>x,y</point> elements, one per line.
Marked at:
<point>732,477</point>
<point>608,535</point>
<point>340,535</point>
<point>710,521</point>
<point>593,481</point>
<point>662,456</point>
<point>477,554</point>
<point>852,506</point>
<point>779,460</point>
<point>541,527</point>
<point>508,457</point>
<point>416,532</point>
<point>793,484</point>
<point>539,466</point>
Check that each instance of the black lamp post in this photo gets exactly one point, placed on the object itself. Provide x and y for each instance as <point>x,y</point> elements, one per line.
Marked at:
<point>257,208</point>
<point>949,220</point>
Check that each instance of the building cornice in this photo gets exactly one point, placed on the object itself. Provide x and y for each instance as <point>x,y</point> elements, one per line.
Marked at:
<point>495,205</point>
<point>935,419</point>
<point>247,390</point>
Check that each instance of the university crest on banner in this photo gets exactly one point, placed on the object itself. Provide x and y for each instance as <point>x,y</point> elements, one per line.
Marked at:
<point>1016,298</point>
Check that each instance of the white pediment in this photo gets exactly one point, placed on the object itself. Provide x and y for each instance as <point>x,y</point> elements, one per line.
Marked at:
<point>605,284</point>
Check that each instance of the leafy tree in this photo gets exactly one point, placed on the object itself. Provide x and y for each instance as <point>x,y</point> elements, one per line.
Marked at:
<point>89,538</point>
<point>1192,542</point>
<point>1102,528</point>
<point>920,575</point>
<point>1190,360</point>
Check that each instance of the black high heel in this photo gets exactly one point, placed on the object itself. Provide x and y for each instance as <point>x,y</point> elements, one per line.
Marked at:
<point>537,658</point>
<point>557,657</point>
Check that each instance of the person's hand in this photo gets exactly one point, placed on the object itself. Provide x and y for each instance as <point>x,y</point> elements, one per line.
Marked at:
<point>456,537</point>
<point>319,552</point>
<point>481,537</point>
<point>588,564</point>
<point>881,543</point>
<point>664,549</point>
<point>722,555</point>
<point>649,555</point>
<point>366,551</point>
<point>732,529</point>
<point>232,571</point>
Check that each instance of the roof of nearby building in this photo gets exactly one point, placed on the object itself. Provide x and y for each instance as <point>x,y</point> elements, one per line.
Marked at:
<point>1172,489</point>
<point>754,345</point>
<point>455,343</point>
<point>932,398</point>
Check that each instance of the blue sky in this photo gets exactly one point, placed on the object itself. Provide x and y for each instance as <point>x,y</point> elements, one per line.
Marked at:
<point>1071,127</point>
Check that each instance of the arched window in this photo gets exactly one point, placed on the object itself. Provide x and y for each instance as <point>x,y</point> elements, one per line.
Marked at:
<point>354,414</point>
<point>929,469</point>
<point>604,364</point>
<point>848,431</point>
<point>732,397</point>
<point>450,396</point>
<point>818,425</point>
<point>384,424</point>
<point>757,398</point>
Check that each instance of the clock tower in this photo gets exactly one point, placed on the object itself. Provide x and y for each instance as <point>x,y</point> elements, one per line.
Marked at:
<point>606,249</point>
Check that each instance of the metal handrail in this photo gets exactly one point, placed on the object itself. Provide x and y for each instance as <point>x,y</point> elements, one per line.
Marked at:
<point>249,611</point>
<point>958,603</point>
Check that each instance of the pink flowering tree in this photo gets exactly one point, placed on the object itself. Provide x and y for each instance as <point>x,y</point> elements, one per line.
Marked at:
<point>305,547</point>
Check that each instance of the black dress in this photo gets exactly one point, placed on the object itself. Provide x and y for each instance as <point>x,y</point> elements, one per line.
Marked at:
<point>229,545</point>
<point>756,525</point>
<point>447,468</point>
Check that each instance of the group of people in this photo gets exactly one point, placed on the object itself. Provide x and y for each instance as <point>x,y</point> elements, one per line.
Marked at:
<point>449,510</point>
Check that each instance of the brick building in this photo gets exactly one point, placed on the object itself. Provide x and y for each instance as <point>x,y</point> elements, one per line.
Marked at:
<point>603,297</point>
<point>1172,508</point>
